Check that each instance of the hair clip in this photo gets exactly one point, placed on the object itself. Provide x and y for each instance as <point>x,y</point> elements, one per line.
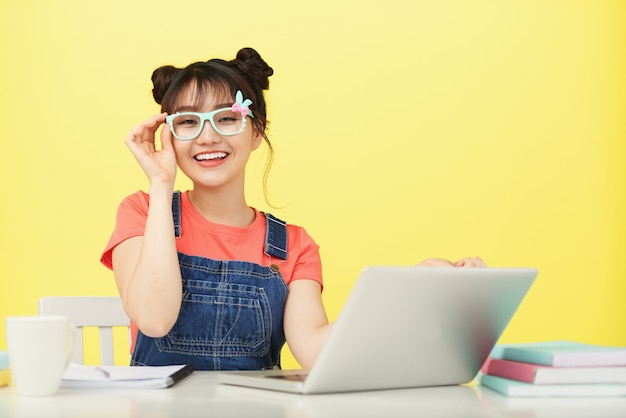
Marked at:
<point>241,105</point>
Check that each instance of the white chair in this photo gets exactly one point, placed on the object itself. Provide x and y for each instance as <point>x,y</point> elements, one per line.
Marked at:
<point>103,312</point>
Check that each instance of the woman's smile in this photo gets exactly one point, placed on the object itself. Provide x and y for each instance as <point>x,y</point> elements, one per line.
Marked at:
<point>211,159</point>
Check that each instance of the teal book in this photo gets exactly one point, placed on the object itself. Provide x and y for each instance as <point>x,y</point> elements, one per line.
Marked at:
<point>562,354</point>
<point>5,373</point>
<point>4,360</point>
<point>514,388</point>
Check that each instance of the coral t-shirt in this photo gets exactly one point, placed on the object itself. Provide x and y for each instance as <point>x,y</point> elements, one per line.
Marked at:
<point>220,242</point>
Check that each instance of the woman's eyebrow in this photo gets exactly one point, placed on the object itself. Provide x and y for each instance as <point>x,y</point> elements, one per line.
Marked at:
<point>223,105</point>
<point>188,108</point>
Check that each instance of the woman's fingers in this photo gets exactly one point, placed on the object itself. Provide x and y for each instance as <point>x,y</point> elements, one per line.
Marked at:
<point>166,136</point>
<point>464,262</point>
<point>436,262</point>
<point>470,262</point>
<point>159,165</point>
<point>144,132</point>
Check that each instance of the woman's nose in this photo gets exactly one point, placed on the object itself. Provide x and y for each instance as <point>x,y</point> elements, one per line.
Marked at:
<point>208,134</point>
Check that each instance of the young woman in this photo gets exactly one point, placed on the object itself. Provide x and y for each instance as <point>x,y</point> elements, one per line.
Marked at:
<point>205,278</point>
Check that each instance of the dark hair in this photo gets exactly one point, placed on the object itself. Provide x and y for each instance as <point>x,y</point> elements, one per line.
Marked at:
<point>248,72</point>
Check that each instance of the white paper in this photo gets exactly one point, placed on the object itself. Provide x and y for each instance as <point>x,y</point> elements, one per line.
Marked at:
<point>151,377</point>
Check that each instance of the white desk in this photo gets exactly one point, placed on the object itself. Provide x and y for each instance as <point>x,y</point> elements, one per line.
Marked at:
<point>200,396</point>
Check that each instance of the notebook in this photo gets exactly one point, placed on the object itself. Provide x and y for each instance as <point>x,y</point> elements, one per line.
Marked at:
<point>405,327</point>
<point>78,376</point>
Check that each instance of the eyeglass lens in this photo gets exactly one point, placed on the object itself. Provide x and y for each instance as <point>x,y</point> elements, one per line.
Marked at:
<point>189,125</point>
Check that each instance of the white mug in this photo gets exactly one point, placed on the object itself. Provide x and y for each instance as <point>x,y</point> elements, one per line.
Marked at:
<point>40,348</point>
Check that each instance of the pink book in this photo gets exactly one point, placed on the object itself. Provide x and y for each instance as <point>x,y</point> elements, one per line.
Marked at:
<point>539,374</point>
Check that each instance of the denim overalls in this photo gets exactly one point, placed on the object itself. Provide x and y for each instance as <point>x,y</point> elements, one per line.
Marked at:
<point>231,315</point>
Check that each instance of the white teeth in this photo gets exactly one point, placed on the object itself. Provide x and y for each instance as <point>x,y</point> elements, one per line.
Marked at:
<point>211,156</point>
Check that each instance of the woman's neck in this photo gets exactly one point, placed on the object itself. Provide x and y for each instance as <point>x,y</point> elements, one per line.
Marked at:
<point>222,208</point>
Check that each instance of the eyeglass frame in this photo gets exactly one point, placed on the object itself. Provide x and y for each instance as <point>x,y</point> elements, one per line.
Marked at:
<point>203,118</point>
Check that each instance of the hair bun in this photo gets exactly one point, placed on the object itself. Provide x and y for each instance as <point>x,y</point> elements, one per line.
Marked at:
<point>161,79</point>
<point>252,65</point>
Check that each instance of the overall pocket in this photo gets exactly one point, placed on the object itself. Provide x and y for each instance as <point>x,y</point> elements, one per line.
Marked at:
<point>220,319</point>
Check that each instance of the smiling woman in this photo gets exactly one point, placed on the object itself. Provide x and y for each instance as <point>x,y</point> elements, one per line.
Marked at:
<point>205,278</point>
<point>185,260</point>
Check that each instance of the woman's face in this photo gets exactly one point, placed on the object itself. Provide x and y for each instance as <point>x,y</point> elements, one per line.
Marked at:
<point>212,159</point>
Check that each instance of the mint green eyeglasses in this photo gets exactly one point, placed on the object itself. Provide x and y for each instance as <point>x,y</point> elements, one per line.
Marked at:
<point>186,126</point>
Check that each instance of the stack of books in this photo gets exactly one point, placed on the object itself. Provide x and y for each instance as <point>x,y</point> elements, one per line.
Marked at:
<point>5,373</point>
<point>559,368</point>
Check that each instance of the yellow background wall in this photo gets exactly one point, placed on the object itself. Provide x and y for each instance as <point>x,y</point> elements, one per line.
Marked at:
<point>403,130</point>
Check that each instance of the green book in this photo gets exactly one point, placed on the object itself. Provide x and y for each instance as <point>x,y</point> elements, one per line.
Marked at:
<point>4,360</point>
<point>562,354</point>
<point>514,388</point>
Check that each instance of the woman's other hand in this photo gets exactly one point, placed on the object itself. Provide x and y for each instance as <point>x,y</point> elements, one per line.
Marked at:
<point>470,262</point>
<point>464,262</point>
<point>436,262</point>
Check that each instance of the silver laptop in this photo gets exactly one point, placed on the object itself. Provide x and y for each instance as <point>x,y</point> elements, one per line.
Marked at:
<point>405,327</point>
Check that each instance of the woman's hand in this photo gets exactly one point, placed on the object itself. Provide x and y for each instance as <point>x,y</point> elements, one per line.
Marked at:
<point>470,262</point>
<point>464,262</point>
<point>159,165</point>
<point>436,262</point>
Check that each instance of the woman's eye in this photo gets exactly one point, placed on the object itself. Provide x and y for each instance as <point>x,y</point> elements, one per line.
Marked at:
<point>187,122</point>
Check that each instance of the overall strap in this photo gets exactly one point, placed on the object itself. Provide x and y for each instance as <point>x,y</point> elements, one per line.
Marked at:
<point>178,229</point>
<point>275,237</point>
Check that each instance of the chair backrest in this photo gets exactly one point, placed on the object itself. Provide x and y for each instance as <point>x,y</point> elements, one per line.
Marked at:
<point>103,312</point>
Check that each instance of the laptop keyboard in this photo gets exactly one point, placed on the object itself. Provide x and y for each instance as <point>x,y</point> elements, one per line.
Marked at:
<point>292,377</point>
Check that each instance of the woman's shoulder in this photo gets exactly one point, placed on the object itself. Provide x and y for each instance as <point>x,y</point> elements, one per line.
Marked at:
<point>138,200</point>
<point>138,196</point>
